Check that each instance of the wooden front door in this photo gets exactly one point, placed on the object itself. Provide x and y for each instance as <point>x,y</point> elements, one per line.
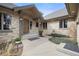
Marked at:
<point>26,26</point>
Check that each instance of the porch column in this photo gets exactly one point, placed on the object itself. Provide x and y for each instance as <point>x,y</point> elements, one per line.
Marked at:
<point>29,25</point>
<point>78,34</point>
<point>78,28</point>
<point>2,21</point>
<point>20,26</point>
<point>40,24</point>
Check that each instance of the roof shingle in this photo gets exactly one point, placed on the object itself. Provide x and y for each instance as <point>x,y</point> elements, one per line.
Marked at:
<point>59,13</point>
<point>8,5</point>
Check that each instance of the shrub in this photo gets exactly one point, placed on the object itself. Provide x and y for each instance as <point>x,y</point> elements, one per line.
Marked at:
<point>40,33</point>
<point>58,35</point>
<point>54,40</point>
<point>18,39</point>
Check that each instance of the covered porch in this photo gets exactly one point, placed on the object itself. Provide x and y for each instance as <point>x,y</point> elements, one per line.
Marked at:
<point>31,19</point>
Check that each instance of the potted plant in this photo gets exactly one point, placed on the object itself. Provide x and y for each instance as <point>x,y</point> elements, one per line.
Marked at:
<point>40,33</point>
<point>18,40</point>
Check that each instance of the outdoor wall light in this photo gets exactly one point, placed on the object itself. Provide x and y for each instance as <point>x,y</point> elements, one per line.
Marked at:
<point>78,21</point>
<point>21,18</point>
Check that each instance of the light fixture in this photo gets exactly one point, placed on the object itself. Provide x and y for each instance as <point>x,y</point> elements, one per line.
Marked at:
<point>21,18</point>
<point>73,12</point>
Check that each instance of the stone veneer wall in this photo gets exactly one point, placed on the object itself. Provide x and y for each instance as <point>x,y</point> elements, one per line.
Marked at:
<point>34,29</point>
<point>14,32</point>
<point>54,26</point>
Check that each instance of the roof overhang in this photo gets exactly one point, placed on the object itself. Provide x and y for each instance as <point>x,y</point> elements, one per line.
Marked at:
<point>67,17</point>
<point>30,10</point>
<point>5,7</point>
<point>72,9</point>
<point>8,5</point>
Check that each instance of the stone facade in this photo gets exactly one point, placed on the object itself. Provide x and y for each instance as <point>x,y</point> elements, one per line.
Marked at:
<point>34,29</point>
<point>53,26</point>
<point>14,31</point>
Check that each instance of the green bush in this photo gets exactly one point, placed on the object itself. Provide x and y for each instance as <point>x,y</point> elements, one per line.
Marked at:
<point>18,39</point>
<point>58,35</point>
<point>59,40</point>
<point>40,33</point>
<point>55,40</point>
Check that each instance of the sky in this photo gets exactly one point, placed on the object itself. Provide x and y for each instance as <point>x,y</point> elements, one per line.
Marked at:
<point>45,8</point>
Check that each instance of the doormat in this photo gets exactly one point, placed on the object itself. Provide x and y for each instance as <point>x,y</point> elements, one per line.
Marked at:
<point>34,38</point>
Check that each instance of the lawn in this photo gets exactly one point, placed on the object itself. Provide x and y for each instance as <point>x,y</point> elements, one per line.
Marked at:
<point>58,38</point>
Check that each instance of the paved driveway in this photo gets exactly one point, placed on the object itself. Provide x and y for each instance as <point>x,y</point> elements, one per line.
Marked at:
<point>40,47</point>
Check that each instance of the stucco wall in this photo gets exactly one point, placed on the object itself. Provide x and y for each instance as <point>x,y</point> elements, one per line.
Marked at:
<point>14,32</point>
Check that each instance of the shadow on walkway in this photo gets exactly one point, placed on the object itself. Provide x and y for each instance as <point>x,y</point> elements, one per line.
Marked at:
<point>72,47</point>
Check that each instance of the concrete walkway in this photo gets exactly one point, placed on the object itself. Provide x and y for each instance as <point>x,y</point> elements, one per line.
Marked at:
<point>40,47</point>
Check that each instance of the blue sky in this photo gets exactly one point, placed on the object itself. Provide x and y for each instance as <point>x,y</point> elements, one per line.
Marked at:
<point>45,8</point>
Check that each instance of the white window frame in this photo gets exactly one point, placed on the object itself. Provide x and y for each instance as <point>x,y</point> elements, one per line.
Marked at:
<point>2,22</point>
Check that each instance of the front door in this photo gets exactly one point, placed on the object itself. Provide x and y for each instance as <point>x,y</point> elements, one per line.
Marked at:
<point>26,26</point>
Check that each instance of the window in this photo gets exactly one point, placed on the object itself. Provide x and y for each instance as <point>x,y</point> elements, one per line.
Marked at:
<point>37,24</point>
<point>0,22</point>
<point>63,24</point>
<point>45,25</point>
<point>30,24</point>
<point>5,21</point>
<point>60,24</point>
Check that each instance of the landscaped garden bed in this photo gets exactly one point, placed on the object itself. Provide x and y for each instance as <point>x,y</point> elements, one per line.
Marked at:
<point>11,48</point>
<point>16,50</point>
<point>58,38</point>
<point>17,47</point>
